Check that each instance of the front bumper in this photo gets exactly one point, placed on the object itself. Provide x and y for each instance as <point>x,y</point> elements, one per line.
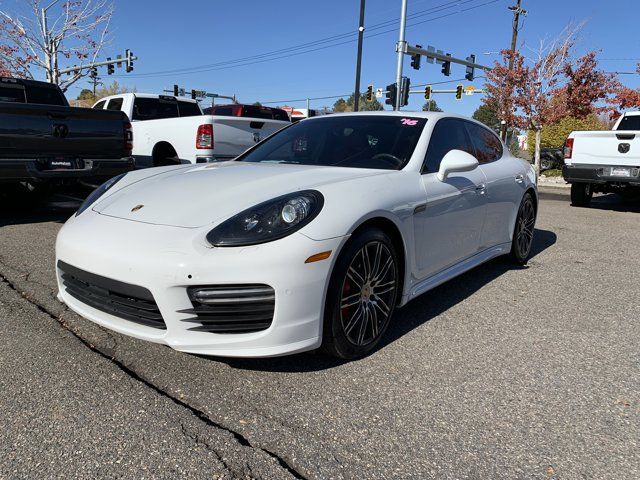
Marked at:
<point>599,174</point>
<point>167,260</point>
<point>88,170</point>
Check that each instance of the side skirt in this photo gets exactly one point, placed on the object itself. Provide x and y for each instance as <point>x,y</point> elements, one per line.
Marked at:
<point>457,269</point>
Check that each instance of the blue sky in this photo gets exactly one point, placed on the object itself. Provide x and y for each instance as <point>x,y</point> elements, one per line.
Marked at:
<point>176,35</point>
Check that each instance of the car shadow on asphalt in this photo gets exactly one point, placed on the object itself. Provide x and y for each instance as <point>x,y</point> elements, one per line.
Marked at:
<point>20,209</point>
<point>614,203</point>
<point>416,313</point>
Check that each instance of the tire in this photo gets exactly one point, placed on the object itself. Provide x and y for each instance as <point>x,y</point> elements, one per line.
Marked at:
<point>581,194</point>
<point>523,230</point>
<point>546,163</point>
<point>362,295</point>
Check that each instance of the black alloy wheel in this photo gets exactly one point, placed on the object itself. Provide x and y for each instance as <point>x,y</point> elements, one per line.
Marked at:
<point>362,295</point>
<point>523,233</point>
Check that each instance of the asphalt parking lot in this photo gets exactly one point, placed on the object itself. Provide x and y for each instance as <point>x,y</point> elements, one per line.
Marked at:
<point>502,373</point>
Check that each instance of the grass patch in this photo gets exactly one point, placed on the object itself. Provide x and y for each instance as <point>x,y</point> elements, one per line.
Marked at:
<point>554,172</point>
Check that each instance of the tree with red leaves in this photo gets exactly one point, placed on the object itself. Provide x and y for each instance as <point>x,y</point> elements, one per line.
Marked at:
<point>547,87</point>
<point>625,97</point>
<point>78,31</point>
<point>586,86</point>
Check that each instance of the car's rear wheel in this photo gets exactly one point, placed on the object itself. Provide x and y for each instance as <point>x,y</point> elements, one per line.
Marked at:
<point>362,295</point>
<point>581,194</point>
<point>523,232</point>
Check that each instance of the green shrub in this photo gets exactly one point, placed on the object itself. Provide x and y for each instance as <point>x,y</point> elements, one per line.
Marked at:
<point>554,172</point>
<point>554,135</point>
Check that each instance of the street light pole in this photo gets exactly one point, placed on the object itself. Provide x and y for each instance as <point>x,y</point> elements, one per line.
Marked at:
<point>356,97</point>
<point>400,48</point>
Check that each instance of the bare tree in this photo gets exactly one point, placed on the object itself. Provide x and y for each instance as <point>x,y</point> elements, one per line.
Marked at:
<point>30,43</point>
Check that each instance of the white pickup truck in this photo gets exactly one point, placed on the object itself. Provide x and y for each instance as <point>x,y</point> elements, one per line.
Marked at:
<point>169,130</point>
<point>604,161</point>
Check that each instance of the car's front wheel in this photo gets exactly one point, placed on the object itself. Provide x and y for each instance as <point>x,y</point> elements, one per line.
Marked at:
<point>362,295</point>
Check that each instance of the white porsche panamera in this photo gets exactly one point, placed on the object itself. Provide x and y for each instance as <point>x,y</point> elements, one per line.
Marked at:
<point>310,239</point>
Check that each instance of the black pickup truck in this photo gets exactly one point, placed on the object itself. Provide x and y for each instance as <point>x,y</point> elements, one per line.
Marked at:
<point>45,141</point>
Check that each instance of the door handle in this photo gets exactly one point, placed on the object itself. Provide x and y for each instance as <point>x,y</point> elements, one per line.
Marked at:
<point>481,189</point>
<point>519,178</point>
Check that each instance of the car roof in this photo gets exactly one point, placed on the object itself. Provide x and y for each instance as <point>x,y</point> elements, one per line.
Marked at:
<point>148,95</point>
<point>389,113</point>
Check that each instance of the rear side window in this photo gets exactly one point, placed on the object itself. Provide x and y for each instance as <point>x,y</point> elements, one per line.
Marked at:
<point>100,105</point>
<point>12,94</point>
<point>189,109</point>
<point>154,109</point>
<point>115,104</point>
<point>629,122</point>
<point>45,96</point>
<point>448,134</point>
<point>487,146</point>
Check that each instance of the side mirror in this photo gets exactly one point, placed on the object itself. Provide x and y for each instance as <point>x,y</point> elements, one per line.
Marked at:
<point>456,161</point>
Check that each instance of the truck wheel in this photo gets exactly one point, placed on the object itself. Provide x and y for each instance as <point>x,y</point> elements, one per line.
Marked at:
<point>581,194</point>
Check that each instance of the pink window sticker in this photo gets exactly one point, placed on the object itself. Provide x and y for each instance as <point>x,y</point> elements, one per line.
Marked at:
<point>409,121</point>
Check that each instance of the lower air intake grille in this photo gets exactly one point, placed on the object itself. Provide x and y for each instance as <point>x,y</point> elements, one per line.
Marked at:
<point>231,308</point>
<point>119,299</point>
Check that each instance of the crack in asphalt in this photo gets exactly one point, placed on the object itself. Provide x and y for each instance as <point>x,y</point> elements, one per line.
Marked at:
<point>201,415</point>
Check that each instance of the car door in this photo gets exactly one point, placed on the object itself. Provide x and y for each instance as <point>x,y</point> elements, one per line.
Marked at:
<point>449,226</point>
<point>505,184</point>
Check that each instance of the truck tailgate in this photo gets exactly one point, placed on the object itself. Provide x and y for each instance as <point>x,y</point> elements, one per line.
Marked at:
<point>45,131</point>
<point>233,135</point>
<point>606,148</point>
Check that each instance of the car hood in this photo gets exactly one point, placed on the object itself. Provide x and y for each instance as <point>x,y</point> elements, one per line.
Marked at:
<point>205,194</point>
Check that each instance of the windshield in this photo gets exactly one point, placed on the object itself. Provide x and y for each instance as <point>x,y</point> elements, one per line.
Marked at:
<point>629,122</point>
<point>367,141</point>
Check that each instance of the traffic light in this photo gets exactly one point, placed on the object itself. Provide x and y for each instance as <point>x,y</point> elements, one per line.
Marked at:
<point>93,73</point>
<point>470,70</point>
<point>176,90</point>
<point>193,94</point>
<point>369,95</point>
<point>128,60</point>
<point>415,59</point>
<point>406,84</point>
<point>446,67</point>
<point>110,67</point>
<point>427,92</point>
<point>459,90</point>
<point>392,91</point>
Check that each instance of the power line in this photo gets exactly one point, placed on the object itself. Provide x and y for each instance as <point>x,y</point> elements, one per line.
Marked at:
<point>303,48</point>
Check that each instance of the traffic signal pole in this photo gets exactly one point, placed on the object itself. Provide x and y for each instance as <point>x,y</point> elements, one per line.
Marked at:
<point>356,97</point>
<point>400,49</point>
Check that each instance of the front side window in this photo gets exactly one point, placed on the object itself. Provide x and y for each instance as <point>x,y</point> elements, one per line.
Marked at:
<point>448,134</point>
<point>366,141</point>
<point>100,105</point>
<point>488,147</point>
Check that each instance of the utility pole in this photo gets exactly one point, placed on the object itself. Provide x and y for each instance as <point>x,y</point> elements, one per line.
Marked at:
<point>400,48</point>
<point>356,97</point>
<point>517,11</point>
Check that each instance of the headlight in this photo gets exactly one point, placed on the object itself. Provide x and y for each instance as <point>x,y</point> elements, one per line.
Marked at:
<point>268,221</point>
<point>98,192</point>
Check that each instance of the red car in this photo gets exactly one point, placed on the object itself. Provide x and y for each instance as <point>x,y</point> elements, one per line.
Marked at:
<point>251,111</point>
